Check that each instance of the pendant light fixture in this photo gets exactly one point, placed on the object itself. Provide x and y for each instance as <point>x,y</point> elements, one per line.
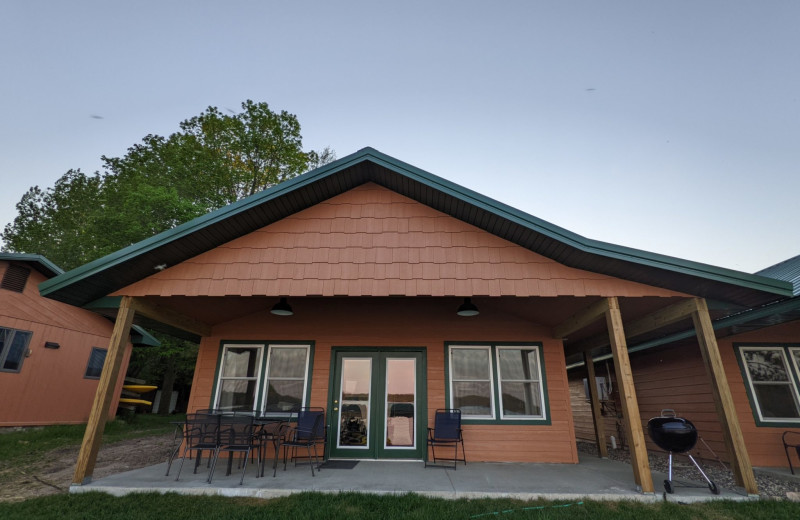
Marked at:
<point>282,308</point>
<point>467,308</point>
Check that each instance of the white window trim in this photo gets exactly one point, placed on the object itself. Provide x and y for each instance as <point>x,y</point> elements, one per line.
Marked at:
<point>306,369</point>
<point>788,364</point>
<point>538,381</point>
<point>221,377</point>
<point>487,348</point>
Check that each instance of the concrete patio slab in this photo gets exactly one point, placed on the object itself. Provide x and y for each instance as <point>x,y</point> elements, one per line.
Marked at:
<point>592,478</point>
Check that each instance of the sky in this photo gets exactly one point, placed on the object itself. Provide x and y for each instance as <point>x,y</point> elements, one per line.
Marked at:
<point>671,127</point>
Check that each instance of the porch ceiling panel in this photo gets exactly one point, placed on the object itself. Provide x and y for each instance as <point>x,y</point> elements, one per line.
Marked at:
<point>103,276</point>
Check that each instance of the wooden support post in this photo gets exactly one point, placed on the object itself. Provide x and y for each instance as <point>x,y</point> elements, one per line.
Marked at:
<point>627,394</point>
<point>731,429</point>
<point>597,417</point>
<point>105,394</point>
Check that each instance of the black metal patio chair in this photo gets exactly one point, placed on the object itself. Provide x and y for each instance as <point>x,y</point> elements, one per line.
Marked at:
<point>236,435</point>
<point>200,433</point>
<point>307,433</point>
<point>446,431</point>
<point>791,440</point>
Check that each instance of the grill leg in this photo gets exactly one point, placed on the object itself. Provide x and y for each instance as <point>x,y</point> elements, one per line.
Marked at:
<point>696,465</point>
<point>670,467</point>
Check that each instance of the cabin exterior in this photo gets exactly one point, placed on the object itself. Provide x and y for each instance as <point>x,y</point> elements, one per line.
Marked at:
<point>51,353</point>
<point>346,288</point>
<point>760,350</point>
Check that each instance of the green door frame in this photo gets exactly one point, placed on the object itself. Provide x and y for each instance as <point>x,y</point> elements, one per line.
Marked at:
<point>375,448</point>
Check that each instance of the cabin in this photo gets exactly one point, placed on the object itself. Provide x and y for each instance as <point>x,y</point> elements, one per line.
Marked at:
<point>382,293</point>
<point>51,353</point>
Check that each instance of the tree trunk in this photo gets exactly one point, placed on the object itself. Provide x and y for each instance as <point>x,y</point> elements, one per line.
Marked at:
<point>166,388</point>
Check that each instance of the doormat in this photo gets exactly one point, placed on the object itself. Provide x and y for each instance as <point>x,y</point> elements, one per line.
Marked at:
<point>339,464</point>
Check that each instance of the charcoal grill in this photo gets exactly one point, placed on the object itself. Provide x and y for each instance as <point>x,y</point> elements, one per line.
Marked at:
<point>676,435</point>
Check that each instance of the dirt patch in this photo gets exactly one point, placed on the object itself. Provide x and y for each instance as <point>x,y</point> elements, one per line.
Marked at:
<point>53,473</point>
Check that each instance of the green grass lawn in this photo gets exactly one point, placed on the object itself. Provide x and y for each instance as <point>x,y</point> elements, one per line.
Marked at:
<point>353,506</point>
<point>30,444</point>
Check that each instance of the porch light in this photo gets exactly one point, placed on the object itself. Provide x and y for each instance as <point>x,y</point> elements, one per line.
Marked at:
<point>282,308</point>
<point>467,308</point>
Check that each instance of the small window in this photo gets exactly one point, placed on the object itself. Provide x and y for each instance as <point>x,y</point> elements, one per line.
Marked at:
<point>771,375</point>
<point>13,346</point>
<point>15,278</point>
<point>497,382</point>
<point>96,361</point>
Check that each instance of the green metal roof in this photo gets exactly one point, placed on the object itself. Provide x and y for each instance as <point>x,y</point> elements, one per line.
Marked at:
<point>38,262</point>
<point>105,275</point>
<point>788,270</point>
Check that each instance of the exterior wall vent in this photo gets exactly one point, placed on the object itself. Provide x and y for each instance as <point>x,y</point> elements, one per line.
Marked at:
<point>15,278</point>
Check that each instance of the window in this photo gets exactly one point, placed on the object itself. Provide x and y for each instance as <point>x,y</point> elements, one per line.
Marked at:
<point>96,361</point>
<point>13,346</point>
<point>771,373</point>
<point>283,368</point>
<point>497,382</point>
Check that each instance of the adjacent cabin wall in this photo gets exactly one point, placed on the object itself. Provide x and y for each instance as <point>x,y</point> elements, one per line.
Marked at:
<point>675,377</point>
<point>410,322</point>
<point>50,388</point>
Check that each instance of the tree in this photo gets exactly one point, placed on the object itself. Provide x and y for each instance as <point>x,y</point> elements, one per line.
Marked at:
<point>213,160</point>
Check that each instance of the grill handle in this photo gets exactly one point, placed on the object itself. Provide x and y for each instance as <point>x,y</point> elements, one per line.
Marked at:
<point>668,412</point>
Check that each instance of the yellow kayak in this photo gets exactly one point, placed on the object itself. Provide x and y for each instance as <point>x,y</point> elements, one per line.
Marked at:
<point>139,389</point>
<point>127,400</point>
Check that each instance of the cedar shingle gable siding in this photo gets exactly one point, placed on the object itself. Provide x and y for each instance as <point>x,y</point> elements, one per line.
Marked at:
<point>371,241</point>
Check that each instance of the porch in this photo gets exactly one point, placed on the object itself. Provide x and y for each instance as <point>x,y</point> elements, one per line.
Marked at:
<point>592,478</point>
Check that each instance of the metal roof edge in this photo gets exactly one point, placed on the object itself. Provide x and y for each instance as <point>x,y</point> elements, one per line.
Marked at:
<point>42,264</point>
<point>144,338</point>
<point>466,195</point>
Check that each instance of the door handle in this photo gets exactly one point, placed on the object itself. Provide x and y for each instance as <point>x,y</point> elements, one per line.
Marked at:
<point>335,409</point>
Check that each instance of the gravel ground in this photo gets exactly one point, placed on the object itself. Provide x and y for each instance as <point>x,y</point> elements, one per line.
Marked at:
<point>684,470</point>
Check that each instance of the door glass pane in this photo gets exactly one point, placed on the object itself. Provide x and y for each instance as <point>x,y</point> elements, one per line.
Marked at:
<point>354,403</point>
<point>400,402</point>
<point>240,362</point>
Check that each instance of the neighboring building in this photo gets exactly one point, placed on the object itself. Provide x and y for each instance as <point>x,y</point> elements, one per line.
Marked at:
<point>375,257</point>
<point>51,353</point>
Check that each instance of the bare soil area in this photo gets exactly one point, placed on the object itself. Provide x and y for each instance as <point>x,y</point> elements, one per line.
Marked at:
<point>53,473</point>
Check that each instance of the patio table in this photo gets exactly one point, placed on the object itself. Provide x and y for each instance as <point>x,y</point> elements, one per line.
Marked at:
<point>270,429</point>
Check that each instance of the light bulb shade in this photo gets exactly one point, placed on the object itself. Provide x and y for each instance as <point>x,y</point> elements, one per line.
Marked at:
<point>467,308</point>
<point>282,308</point>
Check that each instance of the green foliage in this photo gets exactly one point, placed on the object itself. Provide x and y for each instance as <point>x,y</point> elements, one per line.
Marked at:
<point>215,159</point>
<point>347,506</point>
